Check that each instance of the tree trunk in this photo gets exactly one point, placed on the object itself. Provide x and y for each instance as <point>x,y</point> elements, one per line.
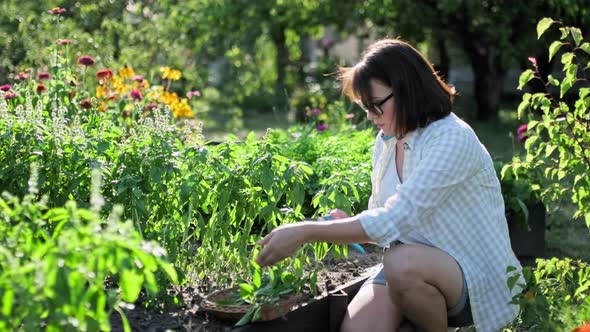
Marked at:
<point>487,87</point>
<point>282,59</point>
<point>443,55</point>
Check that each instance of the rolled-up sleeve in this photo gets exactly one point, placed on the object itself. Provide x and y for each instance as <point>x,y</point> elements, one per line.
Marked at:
<point>448,158</point>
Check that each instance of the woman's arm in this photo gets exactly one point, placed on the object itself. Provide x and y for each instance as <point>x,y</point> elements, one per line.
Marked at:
<point>284,240</point>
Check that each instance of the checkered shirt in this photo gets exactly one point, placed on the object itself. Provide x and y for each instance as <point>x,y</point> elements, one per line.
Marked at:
<point>449,198</point>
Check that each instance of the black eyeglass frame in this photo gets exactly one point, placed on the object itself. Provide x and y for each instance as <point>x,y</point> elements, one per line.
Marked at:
<point>375,108</point>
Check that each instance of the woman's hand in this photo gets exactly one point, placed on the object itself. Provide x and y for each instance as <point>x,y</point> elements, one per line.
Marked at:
<point>281,243</point>
<point>337,214</point>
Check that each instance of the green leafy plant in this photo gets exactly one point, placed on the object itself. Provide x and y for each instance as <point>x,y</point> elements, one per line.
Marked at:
<point>555,297</point>
<point>267,288</point>
<point>54,264</point>
<point>521,187</point>
<point>558,133</point>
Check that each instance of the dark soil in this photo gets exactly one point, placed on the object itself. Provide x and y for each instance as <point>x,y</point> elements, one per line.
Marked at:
<point>190,317</point>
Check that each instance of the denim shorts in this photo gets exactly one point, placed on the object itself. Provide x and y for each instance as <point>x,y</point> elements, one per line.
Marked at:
<point>457,316</point>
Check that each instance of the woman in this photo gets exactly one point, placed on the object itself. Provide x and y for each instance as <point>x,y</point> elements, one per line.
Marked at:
<point>436,205</point>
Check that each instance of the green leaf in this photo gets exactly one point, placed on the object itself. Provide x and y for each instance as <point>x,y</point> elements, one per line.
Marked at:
<point>246,290</point>
<point>567,58</point>
<point>525,77</point>
<point>552,80</point>
<point>543,25</point>
<point>7,302</point>
<point>524,104</point>
<point>130,283</point>
<point>585,47</point>
<point>576,35</point>
<point>532,124</point>
<point>553,48</point>
<point>587,217</point>
<point>256,279</point>
<point>247,316</point>
<point>566,84</point>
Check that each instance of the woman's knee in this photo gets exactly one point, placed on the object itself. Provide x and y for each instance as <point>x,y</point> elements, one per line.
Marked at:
<point>400,264</point>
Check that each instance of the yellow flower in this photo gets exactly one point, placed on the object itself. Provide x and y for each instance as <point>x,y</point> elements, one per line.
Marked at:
<point>126,72</point>
<point>101,91</point>
<point>323,117</point>
<point>170,74</point>
<point>529,295</point>
<point>102,106</point>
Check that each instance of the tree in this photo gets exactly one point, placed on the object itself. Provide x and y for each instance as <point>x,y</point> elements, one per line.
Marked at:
<point>494,35</point>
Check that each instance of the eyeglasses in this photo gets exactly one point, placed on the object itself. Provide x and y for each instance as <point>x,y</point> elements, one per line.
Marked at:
<point>375,108</point>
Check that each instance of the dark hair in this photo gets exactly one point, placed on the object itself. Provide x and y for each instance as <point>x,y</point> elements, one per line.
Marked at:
<point>420,95</point>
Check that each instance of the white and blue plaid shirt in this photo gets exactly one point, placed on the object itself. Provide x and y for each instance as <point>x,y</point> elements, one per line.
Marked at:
<point>449,198</point>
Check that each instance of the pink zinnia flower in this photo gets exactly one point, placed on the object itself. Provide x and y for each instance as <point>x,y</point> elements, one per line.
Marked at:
<point>138,78</point>
<point>21,76</point>
<point>43,76</point>
<point>5,87</point>
<point>136,95</point>
<point>314,111</point>
<point>41,88</point>
<point>321,127</point>
<point>104,73</point>
<point>64,41</point>
<point>195,93</point>
<point>86,60</point>
<point>349,116</point>
<point>56,11</point>
<point>521,133</point>
<point>86,103</point>
<point>10,95</point>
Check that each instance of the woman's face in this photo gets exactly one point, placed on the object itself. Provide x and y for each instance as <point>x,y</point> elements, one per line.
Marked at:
<point>382,98</point>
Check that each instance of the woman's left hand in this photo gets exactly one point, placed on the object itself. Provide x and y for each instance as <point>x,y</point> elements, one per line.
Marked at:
<point>281,243</point>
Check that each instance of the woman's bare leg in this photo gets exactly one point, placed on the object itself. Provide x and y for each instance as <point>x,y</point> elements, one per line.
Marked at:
<point>425,282</point>
<point>372,310</point>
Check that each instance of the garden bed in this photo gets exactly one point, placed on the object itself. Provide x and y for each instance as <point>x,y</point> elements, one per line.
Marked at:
<point>345,274</point>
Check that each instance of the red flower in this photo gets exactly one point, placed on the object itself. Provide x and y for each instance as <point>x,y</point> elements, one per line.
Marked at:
<point>521,133</point>
<point>5,87</point>
<point>86,60</point>
<point>136,95</point>
<point>64,41</point>
<point>41,88</point>
<point>10,95</point>
<point>56,11</point>
<point>86,103</point>
<point>104,73</point>
<point>43,76</point>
